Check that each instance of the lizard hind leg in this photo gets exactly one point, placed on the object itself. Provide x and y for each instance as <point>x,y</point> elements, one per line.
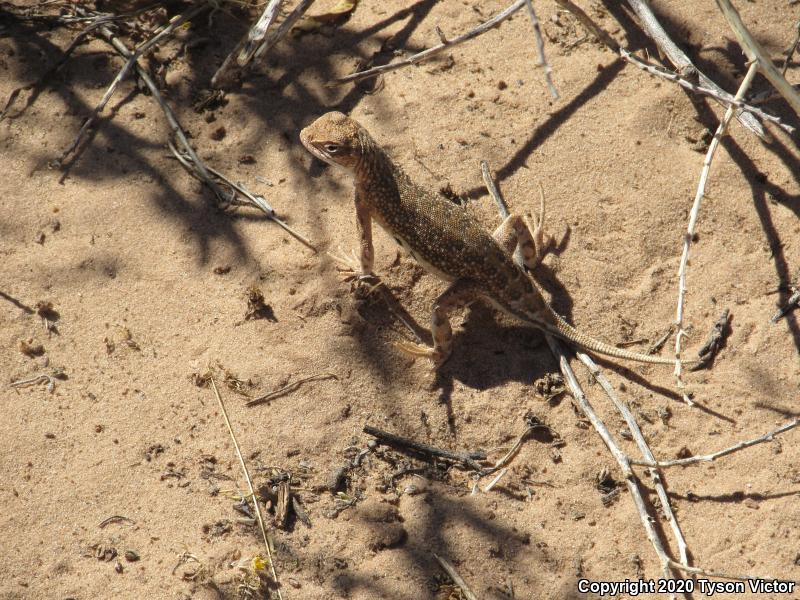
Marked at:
<point>459,294</point>
<point>515,233</point>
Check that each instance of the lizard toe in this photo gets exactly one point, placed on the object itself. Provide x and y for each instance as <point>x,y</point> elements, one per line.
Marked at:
<point>422,351</point>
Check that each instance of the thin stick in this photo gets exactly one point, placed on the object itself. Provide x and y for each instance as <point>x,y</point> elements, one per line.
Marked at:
<point>687,240</point>
<point>258,31</point>
<point>289,388</point>
<point>723,98</point>
<point>132,59</point>
<point>257,201</point>
<point>682,62</point>
<point>172,120</point>
<point>494,481</point>
<point>622,460</point>
<point>792,50</point>
<point>426,54</point>
<point>580,397</point>
<point>693,460</point>
<point>457,579</point>
<point>513,451</point>
<point>542,61</point>
<point>590,25</point>
<point>715,92</point>
<point>756,54</point>
<point>253,46</point>
<point>644,448</point>
<point>284,27</point>
<point>405,443</point>
<point>251,490</point>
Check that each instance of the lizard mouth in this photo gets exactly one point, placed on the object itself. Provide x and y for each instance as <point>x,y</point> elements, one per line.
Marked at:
<point>316,151</point>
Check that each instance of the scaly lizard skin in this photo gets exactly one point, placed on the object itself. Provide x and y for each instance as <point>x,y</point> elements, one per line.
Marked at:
<point>442,237</point>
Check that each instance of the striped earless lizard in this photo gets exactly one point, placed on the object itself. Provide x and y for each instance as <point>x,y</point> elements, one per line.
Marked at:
<point>446,241</point>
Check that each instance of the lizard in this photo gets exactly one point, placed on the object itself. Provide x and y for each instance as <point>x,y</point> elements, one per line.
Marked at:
<point>442,237</point>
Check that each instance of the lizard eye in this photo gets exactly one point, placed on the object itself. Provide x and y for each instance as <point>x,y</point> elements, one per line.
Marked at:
<point>331,148</point>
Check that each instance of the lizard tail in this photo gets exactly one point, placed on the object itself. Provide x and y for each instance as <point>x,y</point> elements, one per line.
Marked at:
<point>560,328</point>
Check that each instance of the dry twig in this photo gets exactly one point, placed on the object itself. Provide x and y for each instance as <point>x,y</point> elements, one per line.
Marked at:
<point>254,44</point>
<point>256,200</point>
<point>457,579</point>
<point>682,62</point>
<point>756,55</point>
<point>723,98</point>
<point>542,61</point>
<point>632,482</point>
<point>426,54</point>
<point>289,388</point>
<point>691,460</point>
<point>465,459</point>
<point>644,448</point>
<point>172,120</point>
<point>132,60</point>
<point>533,423</point>
<point>707,90</point>
<point>687,239</point>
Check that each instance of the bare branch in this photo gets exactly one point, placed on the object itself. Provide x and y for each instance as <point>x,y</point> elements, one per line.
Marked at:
<point>693,460</point>
<point>687,240</point>
<point>644,448</point>
<point>542,62</point>
<point>755,53</point>
<point>172,120</point>
<point>682,62</point>
<point>725,99</point>
<point>132,59</point>
<point>457,579</point>
<point>430,52</point>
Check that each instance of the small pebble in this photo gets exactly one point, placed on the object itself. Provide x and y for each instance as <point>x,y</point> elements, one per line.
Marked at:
<point>131,555</point>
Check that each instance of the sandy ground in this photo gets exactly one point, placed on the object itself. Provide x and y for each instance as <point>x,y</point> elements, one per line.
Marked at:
<point>149,281</point>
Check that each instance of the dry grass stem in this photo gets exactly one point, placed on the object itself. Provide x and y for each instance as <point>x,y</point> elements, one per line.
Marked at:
<point>250,489</point>
<point>289,388</point>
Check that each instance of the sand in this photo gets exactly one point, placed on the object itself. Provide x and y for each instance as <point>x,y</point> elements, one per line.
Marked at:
<point>149,281</point>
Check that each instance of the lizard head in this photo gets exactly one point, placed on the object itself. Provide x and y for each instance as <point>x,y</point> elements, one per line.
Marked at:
<point>334,138</point>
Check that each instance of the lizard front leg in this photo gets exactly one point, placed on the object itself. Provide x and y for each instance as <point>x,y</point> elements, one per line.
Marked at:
<point>459,294</point>
<point>360,268</point>
<point>364,227</point>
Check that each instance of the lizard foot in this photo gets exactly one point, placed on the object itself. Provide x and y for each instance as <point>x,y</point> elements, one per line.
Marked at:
<point>346,264</point>
<point>362,284</point>
<point>424,351</point>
